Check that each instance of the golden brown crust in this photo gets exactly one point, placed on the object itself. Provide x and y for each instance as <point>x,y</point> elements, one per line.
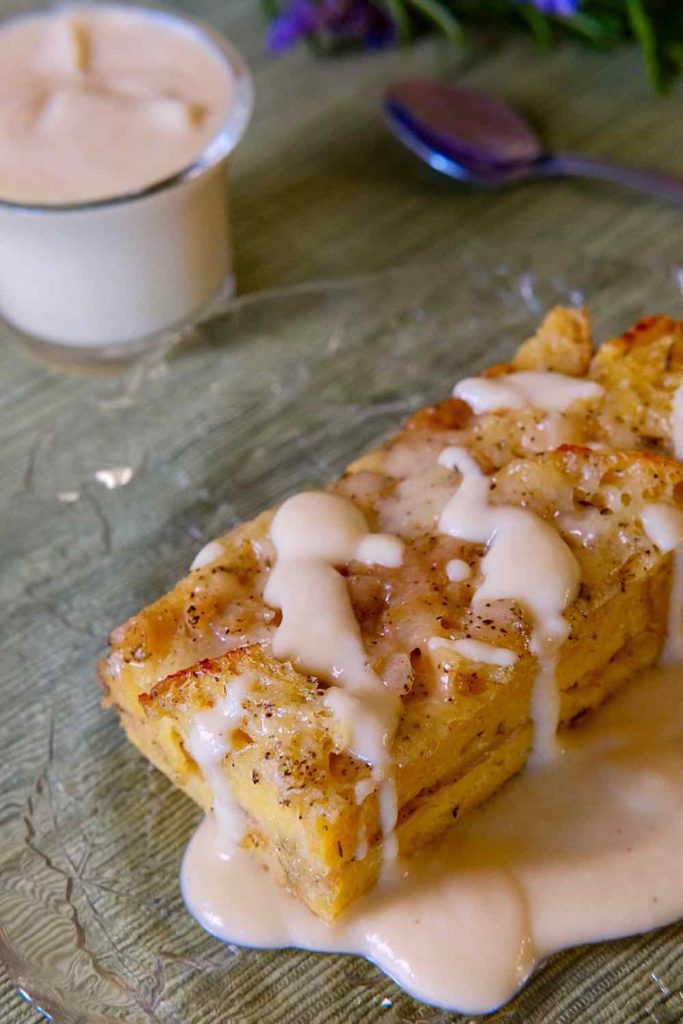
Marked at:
<point>640,371</point>
<point>645,337</point>
<point>562,344</point>
<point>465,726</point>
<point>459,718</point>
<point>450,414</point>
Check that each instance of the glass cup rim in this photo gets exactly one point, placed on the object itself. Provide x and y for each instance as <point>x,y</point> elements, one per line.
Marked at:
<point>215,150</point>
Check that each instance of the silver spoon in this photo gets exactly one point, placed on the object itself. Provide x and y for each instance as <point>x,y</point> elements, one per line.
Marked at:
<point>482,141</point>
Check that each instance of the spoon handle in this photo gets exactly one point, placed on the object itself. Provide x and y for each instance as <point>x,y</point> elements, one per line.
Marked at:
<point>567,164</point>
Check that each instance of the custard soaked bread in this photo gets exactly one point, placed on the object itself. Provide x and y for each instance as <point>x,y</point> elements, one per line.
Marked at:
<point>495,591</point>
<point>466,723</point>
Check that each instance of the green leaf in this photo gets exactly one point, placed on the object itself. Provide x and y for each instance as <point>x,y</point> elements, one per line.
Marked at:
<point>441,16</point>
<point>539,25</point>
<point>657,25</point>
<point>601,31</point>
<point>644,31</point>
<point>396,10</point>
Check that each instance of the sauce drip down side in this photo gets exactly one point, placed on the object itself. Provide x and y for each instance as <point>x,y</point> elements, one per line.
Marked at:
<point>587,847</point>
<point>526,560</point>
<point>314,533</point>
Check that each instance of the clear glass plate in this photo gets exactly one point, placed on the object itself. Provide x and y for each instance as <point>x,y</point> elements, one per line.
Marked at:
<point>110,485</point>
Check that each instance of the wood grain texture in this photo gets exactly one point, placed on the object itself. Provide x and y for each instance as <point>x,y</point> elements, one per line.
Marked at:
<point>319,191</point>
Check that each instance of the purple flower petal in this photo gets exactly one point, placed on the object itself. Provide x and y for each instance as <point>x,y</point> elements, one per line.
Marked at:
<point>301,19</point>
<point>345,21</point>
<point>559,8</point>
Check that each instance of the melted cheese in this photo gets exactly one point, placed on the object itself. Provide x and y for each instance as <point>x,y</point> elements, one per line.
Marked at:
<point>551,392</point>
<point>526,561</point>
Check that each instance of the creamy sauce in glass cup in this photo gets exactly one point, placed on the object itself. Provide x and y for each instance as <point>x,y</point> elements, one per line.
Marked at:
<point>116,123</point>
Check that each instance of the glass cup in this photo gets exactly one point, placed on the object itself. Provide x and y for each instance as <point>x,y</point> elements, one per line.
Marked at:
<point>109,278</point>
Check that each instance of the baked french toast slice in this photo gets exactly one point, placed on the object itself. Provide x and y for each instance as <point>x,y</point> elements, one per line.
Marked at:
<point>312,808</point>
<point>210,612</point>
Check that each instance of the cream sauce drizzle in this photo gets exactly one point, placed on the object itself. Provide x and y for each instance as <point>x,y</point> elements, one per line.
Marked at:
<point>588,847</point>
<point>314,533</point>
<point>209,743</point>
<point>211,552</point>
<point>664,526</point>
<point>526,561</point>
<point>457,570</point>
<point>474,650</point>
<point>677,421</point>
<point>551,392</point>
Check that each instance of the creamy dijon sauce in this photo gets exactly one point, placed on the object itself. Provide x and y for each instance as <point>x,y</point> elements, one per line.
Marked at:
<point>527,560</point>
<point>211,552</point>
<point>314,534</point>
<point>474,650</point>
<point>101,101</point>
<point>556,394</point>
<point>581,847</point>
<point>552,392</point>
<point>586,847</point>
<point>210,741</point>
<point>457,570</point>
<point>677,422</point>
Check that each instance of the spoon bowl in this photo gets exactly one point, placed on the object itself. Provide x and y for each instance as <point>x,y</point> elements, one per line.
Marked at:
<point>480,140</point>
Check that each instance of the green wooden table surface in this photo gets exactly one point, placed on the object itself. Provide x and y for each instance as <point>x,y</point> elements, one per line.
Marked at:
<point>321,191</point>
